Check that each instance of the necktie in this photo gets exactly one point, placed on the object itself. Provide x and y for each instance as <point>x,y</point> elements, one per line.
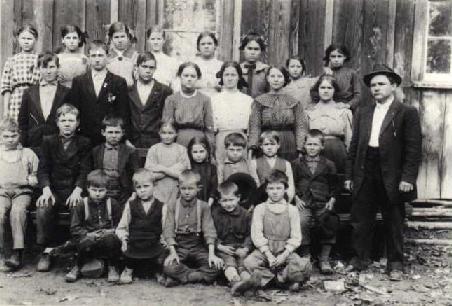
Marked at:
<point>250,75</point>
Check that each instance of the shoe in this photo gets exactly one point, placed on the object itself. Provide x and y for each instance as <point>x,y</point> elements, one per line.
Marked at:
<point>325,268</point>
<point>44,263</point>
<point>4,267</point>
<point>170,282</point>
<point>113,276</point>
<point>161,278</point>
<point>126,276</point>
<point>14,262</point>
<point>295,287</point>
<point>73,275</point>
<point>242,286</point>
<point>395,275</point>
<point>261,295</point>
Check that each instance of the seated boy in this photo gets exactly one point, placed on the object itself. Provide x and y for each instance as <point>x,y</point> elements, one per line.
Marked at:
<point>93,226</point>
<point>275,232</point>
<point>235,161</point>
<point>188,225</point>
<point>61,175</point>
<point>140,228</point>
<point>232,223</point>
<point>316,186</point>
<point>116,158</point>
<point>40,103</point>
<point>17,177</point>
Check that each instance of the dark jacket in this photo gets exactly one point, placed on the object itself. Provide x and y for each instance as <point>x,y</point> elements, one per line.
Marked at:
<point>316,188</point>
<point>400,145</point>
<point>63,169</point>
<point>233,228</point>
<point>33,127</point>
<point>145,119</point>
<point>112,100</point>
<point>128,163</point>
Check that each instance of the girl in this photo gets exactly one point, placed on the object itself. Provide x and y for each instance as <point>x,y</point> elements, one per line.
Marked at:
<point>18,176</point>
<point>349,91</point>
<point>254,70</point>
<point>206,44</point>
<point>231,108</point>
<point>122,57</point>
<point>189,109</point>
<point>300,84</point>
<point>333,119</point>
<point>167,160</point>
<point>20,71</point>
<point>278,111</point>
<point>199,154</point>
<point>72,60</point>
<point>166,65</point>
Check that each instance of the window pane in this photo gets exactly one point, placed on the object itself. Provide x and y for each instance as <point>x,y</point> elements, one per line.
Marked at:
<point>438,56</point>
<point>440,16</point>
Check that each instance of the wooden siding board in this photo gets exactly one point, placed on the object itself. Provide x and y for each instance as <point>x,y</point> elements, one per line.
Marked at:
<point>151,13</point>
<point>97,18</point>
<point>226,33</point>
<point>446,169</point>
<point>294,26</point>
<point>403,37</point>
<point>420,20</point>
<point>279,32</point>
<point>6,35</point>
<point>66,12</point>
<point>43,18</point>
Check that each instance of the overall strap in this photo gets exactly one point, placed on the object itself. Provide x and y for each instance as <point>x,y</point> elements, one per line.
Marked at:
<point>176,214</point>
<point>109,210</point>
<point>198,216</point>
<point>85,204</point>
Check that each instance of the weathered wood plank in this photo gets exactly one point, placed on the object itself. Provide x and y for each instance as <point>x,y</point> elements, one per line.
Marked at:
<point>403,37</point>
<point>432,202</point>
<point>432,110</point>
<point>6,35</point>
<point>139,24</point>
<point>430,241</point>
<point>236,30</point>
<point>429,225</point>
<point>328,31</point>
<point>114,11</point>
<point>226,30</point>
<point>279,31</point>
<point>43,16</point>
<point>97,17</point>
<point>151,13</point>
<point>446,171</point>
<point>390,33</point>
<point>294,26</point>
<point>420,23</point>
<point>66,12</point>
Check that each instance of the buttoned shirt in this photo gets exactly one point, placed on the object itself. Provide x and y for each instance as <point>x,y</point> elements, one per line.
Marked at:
<point>46,96</point>
<point>381,109</point>
<point>144,90</point>
<point>111,160</point>
<point>98,80</point>
<point>312,163</point>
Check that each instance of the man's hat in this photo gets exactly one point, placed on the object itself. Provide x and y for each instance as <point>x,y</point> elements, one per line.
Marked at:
<point>382,69</point>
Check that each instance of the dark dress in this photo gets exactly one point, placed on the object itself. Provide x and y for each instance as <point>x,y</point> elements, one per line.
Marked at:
<point>209,179</point>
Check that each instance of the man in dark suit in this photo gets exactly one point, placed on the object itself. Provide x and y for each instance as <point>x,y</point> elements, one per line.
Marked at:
<point>382,168</point>
<point>39,104</point>
<point>147,98</point>
<point>98,93</point>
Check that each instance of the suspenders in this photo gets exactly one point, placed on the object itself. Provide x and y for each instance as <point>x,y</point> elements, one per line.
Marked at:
<point>198,215</point>
<point>85,203</point>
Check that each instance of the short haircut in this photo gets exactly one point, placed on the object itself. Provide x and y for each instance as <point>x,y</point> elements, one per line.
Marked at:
<point>206,34</point>
<point>198,140</point>
<point>155,29</point>
<point>144,57</point>
<point>10,125</point>
<point>241,83</point>
<point>189,64</point>
<point>299,59</point>
<point>67,108</point>
<point>169,123</point>
<point>97,179</point>
<point>235,139</point>
<point>118,27</point>
<point>143,174</point>
<point>274,135</point>
<point>284,72</point>
<point>252,36</point>
<point>69,28</point>
<point>26,27</point>
<point>336,47</point>
<point>329,78</point>
<point>277,176</point>
<point>112,121</point>
<point>46,57</point>
<point>190,176</point>
<point>228,187</point>
<point>315,133</point>
<point>97,44</point>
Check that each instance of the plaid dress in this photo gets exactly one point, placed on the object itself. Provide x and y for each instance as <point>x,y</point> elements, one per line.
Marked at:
<point>20,71</point>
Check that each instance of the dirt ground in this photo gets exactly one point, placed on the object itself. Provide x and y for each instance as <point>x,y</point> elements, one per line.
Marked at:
<point>428,281</point>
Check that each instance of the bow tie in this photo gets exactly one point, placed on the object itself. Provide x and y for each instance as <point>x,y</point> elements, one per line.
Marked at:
<point>250,66</point>
<point>312,159</point>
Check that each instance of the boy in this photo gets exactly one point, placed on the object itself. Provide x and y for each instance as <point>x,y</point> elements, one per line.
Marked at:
<point>98,93</point>
<point>235,161</point>
<point>17,177</point>
<point>189,221</point>
<point>316,186</point>
<point>93,226</point>
<point>262,166</point>
<point>118,160</point>
<point>40,102</point>
<point>275,232</point>
<point>232,223</point>
<point>146,101</point>
<point>140,228</point>
<point>61,174</point>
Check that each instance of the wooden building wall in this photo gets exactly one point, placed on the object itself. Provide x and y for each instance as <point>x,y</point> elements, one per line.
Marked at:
<point>374,31</point>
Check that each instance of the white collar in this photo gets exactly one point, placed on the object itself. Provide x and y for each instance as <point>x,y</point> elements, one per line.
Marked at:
<point>385,105</point>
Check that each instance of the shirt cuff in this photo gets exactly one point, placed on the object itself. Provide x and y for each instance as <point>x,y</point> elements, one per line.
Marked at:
<point>210,240</point>
<point>170,241</point>
<point>264,249</point>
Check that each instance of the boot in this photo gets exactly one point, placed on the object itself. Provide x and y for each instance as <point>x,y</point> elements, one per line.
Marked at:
<point>73,275</point>
<point>44,263</point>
<point>126,276</point>
<point>113,276</point>
<point>325,267</point>
<point>3,266</point>
<point>15,261</point>
<point>246,284</point>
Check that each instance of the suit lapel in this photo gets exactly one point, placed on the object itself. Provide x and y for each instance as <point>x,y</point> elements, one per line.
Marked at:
<point>100,156</point>
<point>321,165</point>
<point>104,87</point>
<point>59,96</point>
<point>90,85</point>
<point>122,157</point>
<point>36,100</point>
<point>155,93</point>
<point>135,97</point>
<point>392,111</point>
<point>367,118</point>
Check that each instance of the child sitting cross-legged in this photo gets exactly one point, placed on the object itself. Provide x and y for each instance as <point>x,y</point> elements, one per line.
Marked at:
<point>233,224</point>
<point>275,232</point>
<point>93,226</point>
<point>140,228</point>
<point>188,229</point>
